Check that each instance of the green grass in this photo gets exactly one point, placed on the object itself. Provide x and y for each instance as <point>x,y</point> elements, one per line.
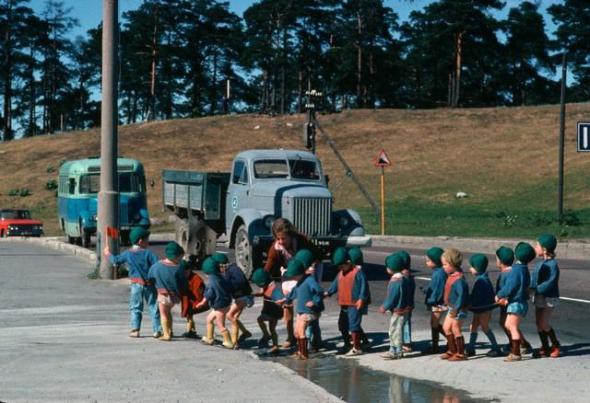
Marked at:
<point>463,217</point>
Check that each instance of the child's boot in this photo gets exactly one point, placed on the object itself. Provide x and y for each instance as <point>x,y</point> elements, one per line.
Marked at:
<point>235,332</point>
<point>555,352</point>
<point>275,342</point>
<point>451,347</point>
<point>227,339</point>
<point>544,349</point>
<point>514,352</point>
<point>434,334</point>
<point>460,354</point>
<point>209,337</point>
<point>290,335</point>
<point>303,354</point>
<point>190,329</point>
<point>471,346</point>
<point>494,352</point>
<point>356,345</point>
<point>245,333</point>
<point>167,329</point>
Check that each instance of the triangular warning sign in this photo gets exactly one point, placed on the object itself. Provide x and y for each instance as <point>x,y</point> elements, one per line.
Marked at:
<point>382,160</point>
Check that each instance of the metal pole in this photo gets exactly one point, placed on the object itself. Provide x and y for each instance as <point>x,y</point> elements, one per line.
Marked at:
<point>382,201</point>
<point>561,138</point>
<point>108,197</point>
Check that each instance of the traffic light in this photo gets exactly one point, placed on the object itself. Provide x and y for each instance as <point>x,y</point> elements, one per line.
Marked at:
<point>309,135</point>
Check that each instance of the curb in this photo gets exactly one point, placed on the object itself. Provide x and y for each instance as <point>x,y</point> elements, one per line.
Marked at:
<point>57,243</point>
<point>576,250</point>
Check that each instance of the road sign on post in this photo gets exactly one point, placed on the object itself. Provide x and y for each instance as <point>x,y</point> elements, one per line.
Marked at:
<point>382,161</point>
<point>583,137</point>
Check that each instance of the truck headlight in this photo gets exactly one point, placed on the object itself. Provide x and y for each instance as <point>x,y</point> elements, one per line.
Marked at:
<point>268,220</point>
<point>344,222</point>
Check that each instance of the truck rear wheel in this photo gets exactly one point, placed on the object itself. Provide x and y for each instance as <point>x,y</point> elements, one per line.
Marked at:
<point>243,251</point>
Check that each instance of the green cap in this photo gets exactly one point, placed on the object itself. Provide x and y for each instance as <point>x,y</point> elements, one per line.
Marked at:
<point>356,255</point>
<point>340,256</point>
<point>210,266</point>
<point>220,258</point>
<point>173,250</point>
<point>435,254</point>
<point>295,268</point>
<point>394,262</point>
<point>479,262</point>
<point>138,233</point>
<point>406,258</point>
<point>524,252</point>
<point>548,241</point>
<point>505,255</point>
<point>305,256</point>
<point>261,278</point>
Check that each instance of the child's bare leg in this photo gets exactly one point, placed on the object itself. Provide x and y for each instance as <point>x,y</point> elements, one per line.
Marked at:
<point>451,345</point>
<point>475,323</point>
<point>288,318</point>
<point>485,320</point>
<point>220,320</point>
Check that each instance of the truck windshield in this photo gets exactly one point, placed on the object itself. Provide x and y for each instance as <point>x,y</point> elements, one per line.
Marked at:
<point>266,169</point>
<point>128,182</point>
<point>304,169</point>
<point>15,214</point>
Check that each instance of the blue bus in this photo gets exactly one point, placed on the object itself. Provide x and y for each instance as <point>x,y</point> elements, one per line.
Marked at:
<point>77,205</point>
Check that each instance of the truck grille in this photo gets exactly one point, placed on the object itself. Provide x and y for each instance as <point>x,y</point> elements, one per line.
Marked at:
<point>123,214</point>
<point>311,216</point>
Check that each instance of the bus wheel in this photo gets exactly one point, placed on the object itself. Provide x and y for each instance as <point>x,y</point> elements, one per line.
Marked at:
<point>71,240</point>
<point>85,238</point>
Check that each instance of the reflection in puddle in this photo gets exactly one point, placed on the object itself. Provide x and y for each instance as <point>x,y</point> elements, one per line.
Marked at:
<point>352,382</point>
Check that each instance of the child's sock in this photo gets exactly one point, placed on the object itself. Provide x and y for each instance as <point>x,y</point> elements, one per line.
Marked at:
<point>553,337</point>
<point>492,339</point>
<point>472,341</point>
<point>544,341</point>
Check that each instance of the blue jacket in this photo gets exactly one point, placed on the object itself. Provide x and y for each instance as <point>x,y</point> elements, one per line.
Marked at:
<point>218,292</point>
<point>482,296</point>
<point>168,277</point>
<point>435,291</point>
<point>411,289</point>
<point>307,289</point>
<point>545,278</point>
<point>501,280</point>
<point>138,262</point>
<point>459,295</point>
<point>516,288</point>
<point>240,286</point>
<point>396,299</point>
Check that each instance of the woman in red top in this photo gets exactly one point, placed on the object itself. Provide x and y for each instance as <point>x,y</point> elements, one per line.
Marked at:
<point>287,241</point>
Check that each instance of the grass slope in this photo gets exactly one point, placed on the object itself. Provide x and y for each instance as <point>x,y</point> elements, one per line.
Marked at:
<point>505,159</point>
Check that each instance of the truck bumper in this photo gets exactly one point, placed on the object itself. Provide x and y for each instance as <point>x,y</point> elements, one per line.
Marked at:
<point>364,240</point>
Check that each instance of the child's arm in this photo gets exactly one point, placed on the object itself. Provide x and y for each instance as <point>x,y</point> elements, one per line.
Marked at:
<point>393,294</point>
<point>543,287</point>
<point>333,288</point>
<point>436,287</point>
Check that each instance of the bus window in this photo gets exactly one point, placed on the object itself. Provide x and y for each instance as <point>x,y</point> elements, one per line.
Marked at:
<point>131,182</point>
<point>72,187</point>
<point>89,184</point>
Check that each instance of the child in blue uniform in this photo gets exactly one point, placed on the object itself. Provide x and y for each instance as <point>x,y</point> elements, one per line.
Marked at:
<point>313,331</point>
<point>218,296</point>
<point>515,294</point>
<point>170,283</point>
<point>308,297</point>
<point>409,278</point>
<point>482,302</point>
<point>241,294</point>
<point>545,290</point>
<point>504,260</point>
<point>434,295</point>
<point>356,257</point>
<point>272,310</point>
<point>397,303</point>
<point>351,286</point>
<point>457,299</point>
<point>139,259</point>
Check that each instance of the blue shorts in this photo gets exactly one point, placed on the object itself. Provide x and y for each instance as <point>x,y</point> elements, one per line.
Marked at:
<point>354,319</point>
<point>518,308</point>
<point>460,315</point>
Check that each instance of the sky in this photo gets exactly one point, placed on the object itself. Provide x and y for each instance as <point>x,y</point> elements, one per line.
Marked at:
<point>89,12</point>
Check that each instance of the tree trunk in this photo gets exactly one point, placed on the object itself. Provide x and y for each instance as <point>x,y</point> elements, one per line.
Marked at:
<point>152,101</point>
<point>213,98</point>
<point>458,61</point>
<point>359,59</point>
<point>300,92</point>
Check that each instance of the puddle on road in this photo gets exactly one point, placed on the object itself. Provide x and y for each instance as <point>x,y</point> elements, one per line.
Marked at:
<point>352,382</point>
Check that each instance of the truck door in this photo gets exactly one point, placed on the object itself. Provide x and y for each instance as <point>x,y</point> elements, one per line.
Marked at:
<point>237,192</point>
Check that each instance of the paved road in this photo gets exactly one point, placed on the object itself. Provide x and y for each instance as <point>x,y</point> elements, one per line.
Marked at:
<point>64,338</point>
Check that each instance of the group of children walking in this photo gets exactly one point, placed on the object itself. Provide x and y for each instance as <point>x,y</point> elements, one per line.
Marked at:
<point>293,291</point>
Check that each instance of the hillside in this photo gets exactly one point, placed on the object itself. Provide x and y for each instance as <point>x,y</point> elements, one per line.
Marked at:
<point>505,159</point>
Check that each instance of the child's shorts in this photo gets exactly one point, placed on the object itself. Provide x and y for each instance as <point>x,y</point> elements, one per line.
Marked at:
<point>308,317</point>
<point>247,300</point>
<point>437,308</point>
<point>457,315</point>
<point>518,308</point>
<point>542,301</point>
<point>168,300</point>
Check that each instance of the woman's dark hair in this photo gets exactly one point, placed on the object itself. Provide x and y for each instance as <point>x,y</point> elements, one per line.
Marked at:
<point>282,226</point>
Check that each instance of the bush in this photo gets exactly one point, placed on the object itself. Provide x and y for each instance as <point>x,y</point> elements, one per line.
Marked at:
<point>51,184</point>
<point>50,169</point>
<point>21,192</point>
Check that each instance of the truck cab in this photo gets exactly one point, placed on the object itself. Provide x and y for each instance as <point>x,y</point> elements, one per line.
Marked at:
<point>268,184</point>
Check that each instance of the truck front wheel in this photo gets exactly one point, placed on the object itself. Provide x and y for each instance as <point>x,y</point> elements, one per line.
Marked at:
<point>243,251</point>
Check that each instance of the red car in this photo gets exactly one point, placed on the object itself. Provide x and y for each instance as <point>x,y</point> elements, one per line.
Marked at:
<point>18,222</point>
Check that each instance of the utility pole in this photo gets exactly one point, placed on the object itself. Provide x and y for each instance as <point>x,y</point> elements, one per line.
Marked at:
<point>108,197</point>
<point>309,132</point>
<point>561,138</point>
